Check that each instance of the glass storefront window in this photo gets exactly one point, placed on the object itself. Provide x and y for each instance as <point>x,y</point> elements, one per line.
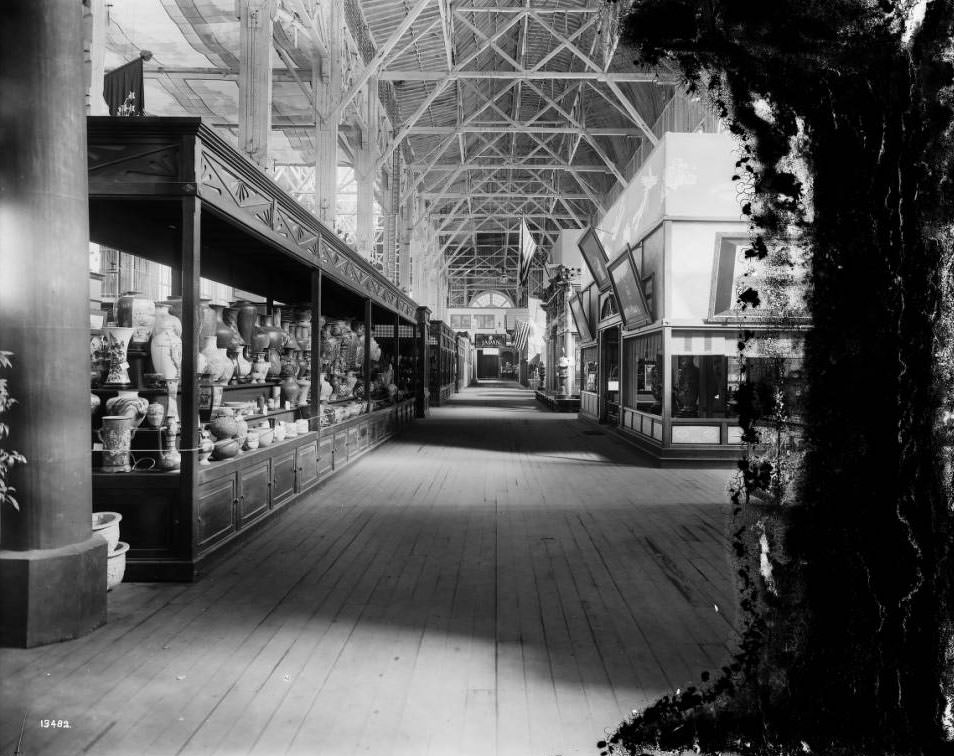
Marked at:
<point>700,386</point>
<point>589,368</point>
<point>643,357</point>
<point>775,378</point>
<point>704,386</point>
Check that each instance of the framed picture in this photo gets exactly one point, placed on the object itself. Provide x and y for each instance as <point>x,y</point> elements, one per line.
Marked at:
<point>628,287</point>
<point>579,317</point>
<point>590,299</point>
<point>595,257</point>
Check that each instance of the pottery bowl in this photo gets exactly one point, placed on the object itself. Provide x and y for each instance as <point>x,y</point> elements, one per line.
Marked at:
<point>226,448</point>
<point>265,437</point>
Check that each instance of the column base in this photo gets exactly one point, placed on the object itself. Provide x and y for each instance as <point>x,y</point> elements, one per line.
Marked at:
<point>50,595</point>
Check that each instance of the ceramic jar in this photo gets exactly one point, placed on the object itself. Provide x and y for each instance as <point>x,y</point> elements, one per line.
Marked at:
<point>128,404</point>
<point>94,402</point>
<point>116,436</point>
<point>224,425</point>
<point>155,414</point>
<point>116,346</point>
<point>135,311</point>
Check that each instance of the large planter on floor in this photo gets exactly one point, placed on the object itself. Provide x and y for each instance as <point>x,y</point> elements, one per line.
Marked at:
<point>116,565</point>
<point>107,525</point>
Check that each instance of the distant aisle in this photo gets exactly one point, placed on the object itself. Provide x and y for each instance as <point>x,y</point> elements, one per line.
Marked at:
<point>498,580</point>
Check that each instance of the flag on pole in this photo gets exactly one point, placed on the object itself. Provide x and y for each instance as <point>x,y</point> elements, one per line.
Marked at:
<point>522,335</point>
<point>528,248</point>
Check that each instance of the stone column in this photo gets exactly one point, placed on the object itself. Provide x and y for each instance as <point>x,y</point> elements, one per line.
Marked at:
<point>52,568</point>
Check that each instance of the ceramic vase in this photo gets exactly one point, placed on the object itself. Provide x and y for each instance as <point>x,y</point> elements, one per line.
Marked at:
<point>304,386</point>
<point>243,367</point>
<point>133,310</point>
<point>217,363</point>
<point>225,337</point>
<point>206,445</point>
<point>116,436</point>
<point>166,345</point>
<point>207,320</point>
<point>246,316</point>
<point>94,402</point>
<point>170,458</point>
<point>116,343</point>
<point>259,369</point>
<point>290,390</point>
<point>172,399</point>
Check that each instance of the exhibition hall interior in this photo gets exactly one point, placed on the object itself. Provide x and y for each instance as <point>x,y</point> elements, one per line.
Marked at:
<point>412,364</point>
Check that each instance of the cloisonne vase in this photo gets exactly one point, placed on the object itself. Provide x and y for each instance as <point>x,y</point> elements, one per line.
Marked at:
<point>116,435</point>
<point>116,345</point>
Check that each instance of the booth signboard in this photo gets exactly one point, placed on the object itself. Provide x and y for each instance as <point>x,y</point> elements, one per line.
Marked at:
<point>629,291</point>
<point>491,340</point>
<point>595,257</point>
<point>579,317</point>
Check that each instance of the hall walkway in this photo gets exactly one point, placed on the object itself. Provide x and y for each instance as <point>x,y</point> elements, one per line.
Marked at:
<point>498,580</point>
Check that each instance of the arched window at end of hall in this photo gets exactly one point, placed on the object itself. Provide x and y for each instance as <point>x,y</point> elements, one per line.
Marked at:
<point>491,299</point>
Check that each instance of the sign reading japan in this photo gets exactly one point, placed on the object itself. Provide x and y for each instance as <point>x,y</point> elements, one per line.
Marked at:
<point>491,340</point>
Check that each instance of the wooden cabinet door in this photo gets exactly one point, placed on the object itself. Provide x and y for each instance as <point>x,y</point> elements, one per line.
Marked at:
<point>215,506</point>
<point>307,464</point>
<point>361,433</point>
<point>255,483</point>
<point>284,474</point>
<point>326,450</point>
<point>341,448</point>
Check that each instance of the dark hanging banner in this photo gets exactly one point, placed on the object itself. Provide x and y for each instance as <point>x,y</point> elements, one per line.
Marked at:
<point>119,83</point>
<point>491,340</point>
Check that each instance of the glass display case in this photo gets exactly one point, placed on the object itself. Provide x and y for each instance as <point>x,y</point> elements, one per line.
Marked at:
<point>442,361</point>
<point>209,416</point>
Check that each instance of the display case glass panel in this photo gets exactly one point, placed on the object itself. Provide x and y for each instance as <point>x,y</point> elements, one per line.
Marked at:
<point>589,368</point>
<point>343,371</point>
<point>643,372</point>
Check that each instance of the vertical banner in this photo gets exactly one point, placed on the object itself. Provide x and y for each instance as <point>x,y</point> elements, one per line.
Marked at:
<point>528,249</point>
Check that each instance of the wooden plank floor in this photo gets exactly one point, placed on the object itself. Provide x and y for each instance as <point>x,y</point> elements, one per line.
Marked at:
<point>499,580</point>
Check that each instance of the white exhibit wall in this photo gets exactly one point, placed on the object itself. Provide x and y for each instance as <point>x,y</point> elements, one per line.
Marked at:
<point>692,249</point>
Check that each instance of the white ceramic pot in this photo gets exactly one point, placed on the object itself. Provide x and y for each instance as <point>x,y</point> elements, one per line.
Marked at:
<point>116,565</point>
<point>107,525</point>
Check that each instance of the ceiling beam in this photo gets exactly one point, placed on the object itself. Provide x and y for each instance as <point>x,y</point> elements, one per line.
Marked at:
<point>525,129</point>
<point>632,77</point>
<point>514,165</point>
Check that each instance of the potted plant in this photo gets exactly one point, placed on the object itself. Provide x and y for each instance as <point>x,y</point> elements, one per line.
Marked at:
<point>8,457</point>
